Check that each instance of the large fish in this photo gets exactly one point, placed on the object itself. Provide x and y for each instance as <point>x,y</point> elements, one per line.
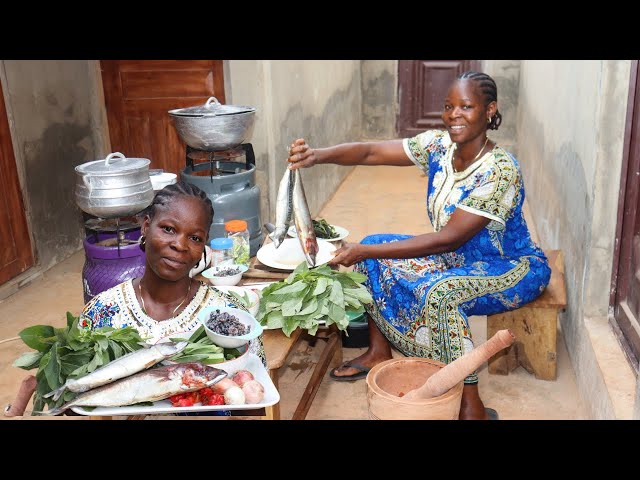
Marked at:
<point>124,366</point>
<point>284,208</point>
<point>148,386</point>
<point>304,223</point>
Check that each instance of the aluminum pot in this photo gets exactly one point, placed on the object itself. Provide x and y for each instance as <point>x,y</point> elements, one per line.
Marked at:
<point>213,126</point>
<point>114,187</point>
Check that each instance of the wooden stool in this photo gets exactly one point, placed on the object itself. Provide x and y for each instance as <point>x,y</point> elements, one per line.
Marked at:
<point>535,328</point>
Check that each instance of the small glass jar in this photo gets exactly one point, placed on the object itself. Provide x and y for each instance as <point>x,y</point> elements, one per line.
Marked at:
<point>221,251</point>
<point>238,231</point>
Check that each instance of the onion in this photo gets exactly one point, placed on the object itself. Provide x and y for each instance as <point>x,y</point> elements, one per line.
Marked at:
<point>234,396</point>
<point>253,391</point>
<point>223,385</point>
<point>242,376</point>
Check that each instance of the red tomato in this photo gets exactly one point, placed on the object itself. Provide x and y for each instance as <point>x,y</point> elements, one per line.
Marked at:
<point>213,399</point>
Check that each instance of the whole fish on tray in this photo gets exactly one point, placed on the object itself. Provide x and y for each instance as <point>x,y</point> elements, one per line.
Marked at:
<point>148,386</point>
<point>284,208</point>
<point>124,366</point>
<point>302,218</point>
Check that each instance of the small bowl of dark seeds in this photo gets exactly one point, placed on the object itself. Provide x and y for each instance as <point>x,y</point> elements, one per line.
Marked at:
<point>225,274</point>
<point>229,327</point>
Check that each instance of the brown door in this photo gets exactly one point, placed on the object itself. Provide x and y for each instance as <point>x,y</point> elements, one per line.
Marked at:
<point>139,93</point>
<point>422,86</point>
<point>15,245</point>
<point>626,282</point>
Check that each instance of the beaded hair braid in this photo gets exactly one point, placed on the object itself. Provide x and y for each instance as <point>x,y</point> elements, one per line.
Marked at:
<point>490,91</point>
<point>163,198</point>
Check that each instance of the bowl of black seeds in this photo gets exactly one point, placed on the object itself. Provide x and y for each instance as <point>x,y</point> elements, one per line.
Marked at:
<point>229,327</point>
<point>228,275</point>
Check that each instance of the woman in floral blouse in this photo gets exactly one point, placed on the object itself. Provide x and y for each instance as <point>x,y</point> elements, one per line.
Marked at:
<point>480,260</point>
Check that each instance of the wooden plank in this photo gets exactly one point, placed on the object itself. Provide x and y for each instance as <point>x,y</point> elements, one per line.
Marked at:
<point>555,295</point>
<point>277,346</point>
<point>534,349</point>
<point>309,394</point>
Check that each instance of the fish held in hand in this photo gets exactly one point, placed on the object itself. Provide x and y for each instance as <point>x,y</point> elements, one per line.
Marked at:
<point>148,386</point>
<point>121,367</point>
<point>304,223</point>
<point>284,208</point>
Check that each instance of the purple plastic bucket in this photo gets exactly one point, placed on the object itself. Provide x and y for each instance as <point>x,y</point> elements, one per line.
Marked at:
<point>106,267</point>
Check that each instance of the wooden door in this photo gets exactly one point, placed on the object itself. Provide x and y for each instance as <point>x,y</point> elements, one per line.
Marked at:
<point>139,93</point>
<point>15,246</point>
<point>626,281</point>
<point>422,86</point>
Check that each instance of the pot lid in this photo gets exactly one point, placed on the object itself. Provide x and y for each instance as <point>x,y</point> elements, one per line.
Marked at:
<point>114,163</point>
<point>212,108</point>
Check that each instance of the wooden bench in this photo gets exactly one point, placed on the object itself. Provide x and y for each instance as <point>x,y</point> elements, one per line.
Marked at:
<point>535,328</point>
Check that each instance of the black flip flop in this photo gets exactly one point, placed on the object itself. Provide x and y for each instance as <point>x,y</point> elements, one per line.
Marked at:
<point>362,373</point>
<point>493,415</point>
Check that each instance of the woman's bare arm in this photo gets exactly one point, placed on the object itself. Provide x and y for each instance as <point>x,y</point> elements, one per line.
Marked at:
<point>462,226</point>
<point>389,152</point>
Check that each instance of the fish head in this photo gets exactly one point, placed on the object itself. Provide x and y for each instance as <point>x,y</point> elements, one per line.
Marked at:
<point>197,375</point>
<point>169,349</point>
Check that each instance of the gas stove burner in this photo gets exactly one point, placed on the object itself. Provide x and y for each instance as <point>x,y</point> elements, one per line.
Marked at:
<point>124,224</point>
<point>221,162</point>
<point>204,156</point>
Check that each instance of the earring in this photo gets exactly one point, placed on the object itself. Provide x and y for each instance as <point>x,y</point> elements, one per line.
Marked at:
<point>143,240</point>
<point>489,120</point>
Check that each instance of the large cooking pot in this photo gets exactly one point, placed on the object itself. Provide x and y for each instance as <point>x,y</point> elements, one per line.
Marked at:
<point>213,126</point>
<point>114,187</point>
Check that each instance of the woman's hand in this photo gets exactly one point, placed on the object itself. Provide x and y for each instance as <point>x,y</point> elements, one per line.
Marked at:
<point>349,254</point>
<point>301,155</point>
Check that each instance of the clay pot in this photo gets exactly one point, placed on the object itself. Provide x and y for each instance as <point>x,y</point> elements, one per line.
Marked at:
<point>392,378</point>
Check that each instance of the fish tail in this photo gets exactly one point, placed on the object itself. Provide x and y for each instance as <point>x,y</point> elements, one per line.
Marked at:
<point>55,411</point>
<point>56,393</point>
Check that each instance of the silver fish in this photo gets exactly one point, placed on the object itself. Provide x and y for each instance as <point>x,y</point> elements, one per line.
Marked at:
<point>124,366</point>
<point>284,208</point>
<point>302,218</point>
<point>148,386</point>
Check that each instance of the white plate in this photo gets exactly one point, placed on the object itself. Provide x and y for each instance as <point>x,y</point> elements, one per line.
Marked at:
<point>342,233</point>
<point>289,254</point>
<point>254,365</point>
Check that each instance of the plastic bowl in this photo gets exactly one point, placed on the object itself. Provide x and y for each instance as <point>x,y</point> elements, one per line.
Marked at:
<point>226,341</point>
<point>211,274</point>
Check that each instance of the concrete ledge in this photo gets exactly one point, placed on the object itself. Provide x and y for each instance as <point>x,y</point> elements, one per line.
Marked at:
<point>618,375</point>
<point>22,280</point>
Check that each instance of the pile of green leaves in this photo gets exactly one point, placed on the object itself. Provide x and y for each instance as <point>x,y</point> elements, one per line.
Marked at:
<point>201,349</point>
<point>309,295</point>
<point>323,230</point>
<point>71,352</point>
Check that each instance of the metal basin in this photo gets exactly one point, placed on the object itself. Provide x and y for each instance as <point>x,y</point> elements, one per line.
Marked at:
<point>213,126</point>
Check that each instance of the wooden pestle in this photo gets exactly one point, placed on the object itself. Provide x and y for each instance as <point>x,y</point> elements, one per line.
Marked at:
<point>450,375</point>
<point>19,405</point>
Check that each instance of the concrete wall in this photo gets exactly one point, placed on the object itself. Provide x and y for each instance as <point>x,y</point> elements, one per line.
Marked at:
<point>55,120</point>
<point>379,99</point>
<point>506,74</point>
<point>571,118</point>
<point>317,100</point>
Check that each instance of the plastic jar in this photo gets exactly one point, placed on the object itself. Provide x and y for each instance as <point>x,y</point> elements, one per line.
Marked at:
<point>237,230</point>
<point>221,251</point>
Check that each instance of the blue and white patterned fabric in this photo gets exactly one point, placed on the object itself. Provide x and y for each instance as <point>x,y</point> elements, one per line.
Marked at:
<point>422,305</point>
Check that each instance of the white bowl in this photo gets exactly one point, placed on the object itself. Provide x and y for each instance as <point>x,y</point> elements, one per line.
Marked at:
<point>254,298</point>
<point>211,274</point>
<point>226,341</point>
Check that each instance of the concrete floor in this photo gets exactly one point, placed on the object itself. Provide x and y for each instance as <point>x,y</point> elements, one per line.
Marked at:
<point>359,207</point>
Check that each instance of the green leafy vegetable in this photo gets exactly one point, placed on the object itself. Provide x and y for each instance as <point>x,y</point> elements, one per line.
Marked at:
<point>323,229</point>
<point>201,349</point>
<point>309,295</point>
<point>71,352</point>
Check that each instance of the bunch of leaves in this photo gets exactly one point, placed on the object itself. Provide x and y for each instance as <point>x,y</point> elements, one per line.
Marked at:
<point>71,352</point>
<point>201,349</point>
<point>323,230</point>
<point>308,296</point>
<point>244,299</point>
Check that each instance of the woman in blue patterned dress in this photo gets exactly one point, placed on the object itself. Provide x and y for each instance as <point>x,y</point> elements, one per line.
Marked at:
<point>480,260</point>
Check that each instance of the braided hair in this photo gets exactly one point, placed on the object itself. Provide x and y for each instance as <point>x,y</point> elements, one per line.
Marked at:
<point>167,194</point>
<point>489,90</point>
